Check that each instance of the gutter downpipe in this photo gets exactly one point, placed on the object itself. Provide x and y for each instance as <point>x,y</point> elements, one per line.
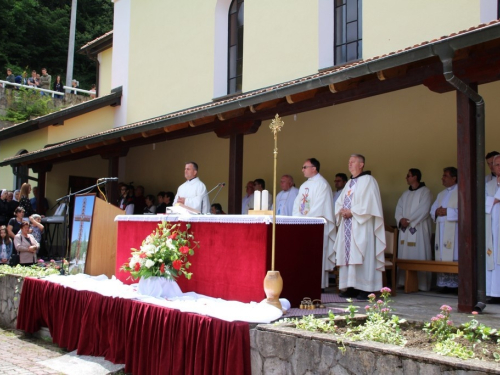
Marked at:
<point>446,57</point>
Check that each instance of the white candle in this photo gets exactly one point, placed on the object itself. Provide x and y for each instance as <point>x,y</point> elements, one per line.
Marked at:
<point>256,200</point>
<point>265,200</point>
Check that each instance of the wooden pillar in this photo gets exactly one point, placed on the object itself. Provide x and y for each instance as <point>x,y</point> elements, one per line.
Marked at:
<point>42,183</point>
<point>235,173</point>
<point>468,211</point>
<point>112,186</point>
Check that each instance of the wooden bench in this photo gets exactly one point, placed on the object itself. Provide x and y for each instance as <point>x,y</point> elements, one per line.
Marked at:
<point>413,266</point>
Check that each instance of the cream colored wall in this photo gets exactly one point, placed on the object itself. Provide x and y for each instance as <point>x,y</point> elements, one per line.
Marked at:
<point>105,64</point>
<point>88,123</point>
<point>171,56</point>
<point>281,41</point>
<point>30,142</point>
<point>57,179</point>
<point>390,25</point>
<point>161,167</point>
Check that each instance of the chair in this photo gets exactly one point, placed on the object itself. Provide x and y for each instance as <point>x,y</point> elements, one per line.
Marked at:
<point>390,254</point>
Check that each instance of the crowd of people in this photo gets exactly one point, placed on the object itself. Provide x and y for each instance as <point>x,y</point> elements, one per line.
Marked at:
<point>21,227</point>
<point>43,81</point>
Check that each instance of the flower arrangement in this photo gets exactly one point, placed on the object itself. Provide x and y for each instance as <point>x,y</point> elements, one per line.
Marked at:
<point>163,253</point>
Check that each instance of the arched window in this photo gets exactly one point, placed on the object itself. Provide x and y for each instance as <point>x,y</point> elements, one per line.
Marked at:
<point>235,47</point>
<point>348,28</point>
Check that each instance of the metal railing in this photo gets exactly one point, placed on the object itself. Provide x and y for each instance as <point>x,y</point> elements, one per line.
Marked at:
<point>79,90</point>
<point>51,92</point>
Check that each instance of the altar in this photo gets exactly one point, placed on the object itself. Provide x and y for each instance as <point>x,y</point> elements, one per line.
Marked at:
<point>235,253</point>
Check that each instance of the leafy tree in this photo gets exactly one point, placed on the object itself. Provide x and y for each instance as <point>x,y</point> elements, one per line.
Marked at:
<point>35,33</point>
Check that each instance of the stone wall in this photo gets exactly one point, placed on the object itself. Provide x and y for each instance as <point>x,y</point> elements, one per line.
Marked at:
<point>286,350</point>
<point>7,97</point>
<point>10,293</point>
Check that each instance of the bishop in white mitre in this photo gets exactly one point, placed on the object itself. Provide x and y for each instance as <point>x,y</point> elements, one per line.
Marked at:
<point>414,223</point>
<point>493,233</point>
<point>315,199</point>
<point>360,244</point>
<point>286,197</point>
<point>444,212</point>
<point>193,192</point>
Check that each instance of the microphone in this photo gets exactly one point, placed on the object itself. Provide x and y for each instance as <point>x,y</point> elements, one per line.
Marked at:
<point>222,184</point>
<point>215,187</point>
<point>108,179</point>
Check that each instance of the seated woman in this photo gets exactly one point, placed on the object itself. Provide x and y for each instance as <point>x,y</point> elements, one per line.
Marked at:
<point>216,209</point>
<point>127,199</point>
<point>5,245</point>
<point>150,207</point>
<point>169,199</point>
<point>26,245</point>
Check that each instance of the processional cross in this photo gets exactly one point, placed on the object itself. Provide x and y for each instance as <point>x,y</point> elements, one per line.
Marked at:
<point>82,218</point>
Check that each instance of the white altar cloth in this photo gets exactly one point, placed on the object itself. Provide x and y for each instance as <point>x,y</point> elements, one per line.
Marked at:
<point>188,302</point>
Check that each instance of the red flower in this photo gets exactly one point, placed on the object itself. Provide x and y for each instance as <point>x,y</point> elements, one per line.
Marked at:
<point>173,236</point>
<point>162,268</point>
<point>143,255</point>
<point>137,267</point>
<point>177,264</point>
<point>184,249</point>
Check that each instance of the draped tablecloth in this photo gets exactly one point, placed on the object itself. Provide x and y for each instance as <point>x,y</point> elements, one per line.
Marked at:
<point>148,339</point>
<point>235,253</point>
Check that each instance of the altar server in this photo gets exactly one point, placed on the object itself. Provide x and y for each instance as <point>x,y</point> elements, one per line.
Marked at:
<point>444,212</point>
<point>359,248</point>
<point>489,160</point>
<point>493,234</point>
<point>193,192</point>
<point>414,223</point>
<point>315,199</point>
<point>286,197</point>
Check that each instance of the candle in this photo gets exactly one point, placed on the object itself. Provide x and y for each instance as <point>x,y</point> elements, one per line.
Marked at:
<point>265,200</point>
<point>256,200</point>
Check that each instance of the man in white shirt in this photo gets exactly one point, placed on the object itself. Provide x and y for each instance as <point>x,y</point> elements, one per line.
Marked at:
<point>444,212</point>
<point>247,201</point>
<point>193,192</point>
<point>315,199</point>
<point>286,197</point>
<point>339,182</point>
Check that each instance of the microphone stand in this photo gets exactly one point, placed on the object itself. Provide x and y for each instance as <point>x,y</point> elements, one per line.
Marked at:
<point>220,188</point>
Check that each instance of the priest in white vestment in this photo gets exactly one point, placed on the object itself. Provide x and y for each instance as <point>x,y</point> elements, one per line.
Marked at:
<point>360,244</point>
<point>493,234</point>
<point>444,212</point>
<point>489,160</point>
<point>286,197</point>
<point>315,199</point>
<point>247,201</point>
<point>193,192</point>
<point>339,182</point>
<point>414,223</point>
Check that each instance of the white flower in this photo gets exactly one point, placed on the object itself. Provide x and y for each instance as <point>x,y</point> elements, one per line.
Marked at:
<point>149,263</point>
<point>148,249</point>
<point>132,263</point>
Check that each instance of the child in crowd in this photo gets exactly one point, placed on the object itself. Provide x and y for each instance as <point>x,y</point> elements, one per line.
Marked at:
<point>5,246</point>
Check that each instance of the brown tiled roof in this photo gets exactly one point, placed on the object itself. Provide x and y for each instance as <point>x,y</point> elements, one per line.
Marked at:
<point>218,106</point>
<point>92,42</point>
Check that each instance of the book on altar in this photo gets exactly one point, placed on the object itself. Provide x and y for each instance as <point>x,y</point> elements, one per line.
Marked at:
<point>182,209</point>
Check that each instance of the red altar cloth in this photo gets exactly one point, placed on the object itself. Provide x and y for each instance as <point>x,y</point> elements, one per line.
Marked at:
<point>148,339</point>
<point>233,258</point>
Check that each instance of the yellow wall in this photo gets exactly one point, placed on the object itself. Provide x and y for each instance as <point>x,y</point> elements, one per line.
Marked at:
<point>105,62</point>
<point>171,56</point>
<point>89,123</point>
<point>30,142</point>
<point>57,179</point>
<point>281,41</point>
<point>390,25</point>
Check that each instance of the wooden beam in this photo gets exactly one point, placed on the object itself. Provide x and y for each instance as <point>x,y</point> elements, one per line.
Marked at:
<point>398,71</point>
<point>231,114</point>
<point>468,212</point>
<point>172,128</point>
<point>225,130</point>
<point>202,121</point>
<point>266,105</point>
<point>301,96</point>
